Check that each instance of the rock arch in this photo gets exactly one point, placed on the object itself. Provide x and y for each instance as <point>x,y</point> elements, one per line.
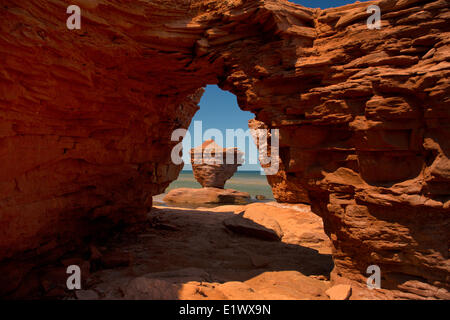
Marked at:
<point>363,115</point>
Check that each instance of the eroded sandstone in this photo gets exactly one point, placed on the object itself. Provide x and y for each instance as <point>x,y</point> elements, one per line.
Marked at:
<point>206,196</point>
<point>213,165</point>
<point>86,118</point>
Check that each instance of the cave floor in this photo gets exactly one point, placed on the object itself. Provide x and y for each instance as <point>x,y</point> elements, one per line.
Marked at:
<point>190,254</point>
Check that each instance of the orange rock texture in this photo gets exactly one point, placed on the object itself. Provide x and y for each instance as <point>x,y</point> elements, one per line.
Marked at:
<point>86,118</point>
<point>213,165</point>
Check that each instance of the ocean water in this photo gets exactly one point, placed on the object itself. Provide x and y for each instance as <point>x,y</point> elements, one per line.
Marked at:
<point>248,181</point>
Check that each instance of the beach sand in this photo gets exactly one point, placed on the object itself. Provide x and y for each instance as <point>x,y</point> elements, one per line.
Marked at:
<point>189,254</point>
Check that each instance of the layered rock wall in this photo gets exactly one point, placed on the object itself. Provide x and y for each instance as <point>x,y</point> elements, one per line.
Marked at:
<point>86,118</point>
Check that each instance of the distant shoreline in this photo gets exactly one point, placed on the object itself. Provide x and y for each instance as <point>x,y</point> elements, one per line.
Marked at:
<point>250,181</point>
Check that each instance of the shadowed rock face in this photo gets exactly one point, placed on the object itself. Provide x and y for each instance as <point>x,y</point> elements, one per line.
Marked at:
<point>87,117</point>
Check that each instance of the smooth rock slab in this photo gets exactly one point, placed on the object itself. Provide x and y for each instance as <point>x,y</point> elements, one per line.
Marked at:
<point>86,295</point>
<point>255,223</point>
<point>339,292</point>
<point>151,289</point>
<point>207,196</point>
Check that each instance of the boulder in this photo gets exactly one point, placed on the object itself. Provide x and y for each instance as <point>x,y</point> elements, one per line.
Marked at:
<point>142,288</point>
<point>188,283</point>
<point>206,196</point>
<point>256,224</point>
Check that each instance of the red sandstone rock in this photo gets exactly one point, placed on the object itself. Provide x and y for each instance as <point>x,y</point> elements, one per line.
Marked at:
<point>255,223</point>
<point>283,190</point>
<point>339,292</point>
<point>95,254</point>
<point>116,259</point>
<point>191,196</point>
<point>213,165</point>
<point>151,289</point>
<point>86,118</point>
<point>86,295</point>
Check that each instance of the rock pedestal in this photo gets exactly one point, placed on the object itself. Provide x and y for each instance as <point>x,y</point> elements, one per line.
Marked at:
<point>213,165</point>
<point>87,117</point>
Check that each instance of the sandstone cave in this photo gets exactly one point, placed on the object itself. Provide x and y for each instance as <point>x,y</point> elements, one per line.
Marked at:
<point>86,117</point>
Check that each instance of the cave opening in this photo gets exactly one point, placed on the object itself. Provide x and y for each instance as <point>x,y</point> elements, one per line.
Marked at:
<point>87,142</point>
<point>220,119</point>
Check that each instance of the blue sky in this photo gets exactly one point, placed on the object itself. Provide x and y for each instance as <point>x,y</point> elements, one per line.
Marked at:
<point>323,4</point>
<point>219,109</point>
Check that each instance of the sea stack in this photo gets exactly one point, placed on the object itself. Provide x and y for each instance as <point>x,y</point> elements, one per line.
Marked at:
<point>213,165</point>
